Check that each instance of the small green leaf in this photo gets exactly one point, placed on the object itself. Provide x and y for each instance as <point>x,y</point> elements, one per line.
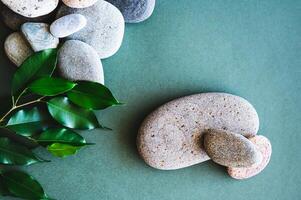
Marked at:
<point>91,95</point>
<point>71,116</point>
<point>62,150</point>
<point>61,135</point>
<point>23,185</point>
<point>38,65</point>
<point>14,154</point>
<point>29,122</point>
<point>49,86</point>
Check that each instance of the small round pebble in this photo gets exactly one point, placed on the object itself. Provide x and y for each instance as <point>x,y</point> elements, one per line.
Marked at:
<point>79,61</point>
<point>67,25</point>
<point>16,48</point>
<point>104,30</point>
<point>231,149</point>
<point>39,36</point>
<point>135,11</point>
<point>79,3</point>
<point>171,136</point>
<point>31,8</point>
<point>265,147</point>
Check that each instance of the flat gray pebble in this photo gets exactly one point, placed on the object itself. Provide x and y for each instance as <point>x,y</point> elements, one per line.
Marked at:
<point>38,36</point>
<point>104,30</point>
<point>135,11</point>
<point>67,25</point>
<point>231,149</point>
<point>79,61</point>
<point>171,136</point>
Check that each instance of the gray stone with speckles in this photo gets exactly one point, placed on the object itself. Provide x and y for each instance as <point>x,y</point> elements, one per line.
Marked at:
<point>231,149</point>
<point>171,136</point>
<point>79,61</point>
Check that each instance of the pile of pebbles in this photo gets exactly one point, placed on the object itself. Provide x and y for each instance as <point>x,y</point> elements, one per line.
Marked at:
<point>196,128</point>
<point>89,30</point>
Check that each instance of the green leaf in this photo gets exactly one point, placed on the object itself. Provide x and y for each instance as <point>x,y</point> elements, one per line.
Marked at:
<point>62,150</point>
<point>23,185</point>
<point>92,95</point>
<point>13,154</point>
<point>71,116</point>
<point>38,65</point>
<point>29,122</point>
<point>49,86</point>
<point>61,135</point>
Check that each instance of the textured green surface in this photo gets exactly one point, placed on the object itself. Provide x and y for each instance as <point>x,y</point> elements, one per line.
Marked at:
<point>251,48</point>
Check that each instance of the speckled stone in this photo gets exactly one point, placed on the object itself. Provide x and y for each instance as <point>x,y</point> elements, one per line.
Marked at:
<point>171,136</point>
<point>79,61</point>
<point>16,48</point>
<point>265,147</point>
<point>104,30</point>
<point>31,8</point>
<point>231,149</point>
<point>38,36</point>
<point>14,21</point>
<point>135,11</point>
<point>79,3</point>
<point>67,25</point>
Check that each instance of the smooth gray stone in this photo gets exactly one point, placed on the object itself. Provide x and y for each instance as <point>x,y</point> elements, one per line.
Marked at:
<point>79,61</point>
<point>171,136</point>
<point>38,36</point>
<point>14,21</point>
<point>17,48</point>
<point>231,149</point>
<point>67,25</point>
<point>135,11</point>
<point>31,8</point>
<point>104,30</point>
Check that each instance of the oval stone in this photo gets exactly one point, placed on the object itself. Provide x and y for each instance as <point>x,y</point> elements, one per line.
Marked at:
<point>31,8</point>
<point>67,25</point>
<point>171,136</point>
<point>104,30</point>
<point>231,149</point>
<point>79,61</point>
<point>264,146</point>
<point>79,3</point>
<point>39,36</point>
<point>16,48</point>
<point>135,11</point>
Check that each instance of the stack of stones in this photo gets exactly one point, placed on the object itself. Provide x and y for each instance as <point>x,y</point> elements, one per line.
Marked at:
<point>194,129</point>
<point>90,30</point>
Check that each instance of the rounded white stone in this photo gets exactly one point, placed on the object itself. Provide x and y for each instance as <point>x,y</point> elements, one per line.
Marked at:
<point>31,8</point>
<point>171,136</point>
<point>67,25</point>
<point>16,48</point>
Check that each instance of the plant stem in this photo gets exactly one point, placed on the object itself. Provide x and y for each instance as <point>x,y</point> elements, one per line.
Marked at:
<point>20,106</point>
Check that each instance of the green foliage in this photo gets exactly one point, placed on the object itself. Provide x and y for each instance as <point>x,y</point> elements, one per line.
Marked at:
<point>62,150</point>
<point>36,66</point>
<point>68,106</point>
<point>23,185</point>
<point>71,116</point>
<point>28,122</point>
<point>12,153</point>
<point>91,95</point>
<point>49,86</point>
<point>61,135</point>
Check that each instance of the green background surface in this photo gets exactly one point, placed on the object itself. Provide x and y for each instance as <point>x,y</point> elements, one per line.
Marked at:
<point>251,48</point>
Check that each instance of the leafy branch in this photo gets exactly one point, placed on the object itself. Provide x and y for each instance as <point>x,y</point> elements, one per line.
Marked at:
<point>46,121</point>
